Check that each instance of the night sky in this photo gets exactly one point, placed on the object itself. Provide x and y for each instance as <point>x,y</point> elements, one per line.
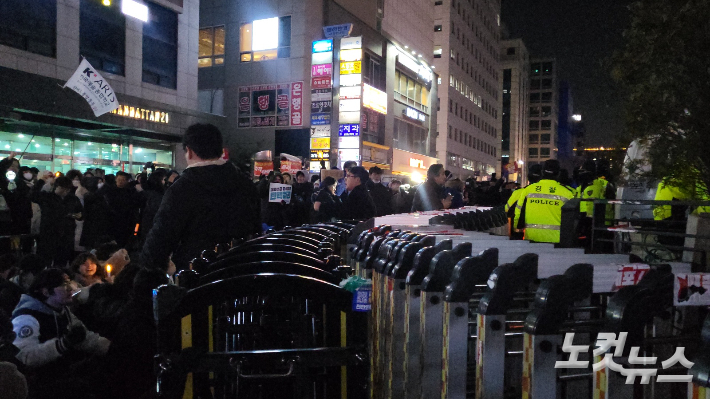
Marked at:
<point>582,35</point>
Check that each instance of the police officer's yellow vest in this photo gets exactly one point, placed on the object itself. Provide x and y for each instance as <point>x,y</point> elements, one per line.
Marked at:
<point>668,193</point>
<point>510,205</point>
<point>595,190</point>
<point>543,203</point>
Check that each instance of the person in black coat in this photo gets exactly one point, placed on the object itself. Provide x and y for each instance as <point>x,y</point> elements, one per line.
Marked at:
<point>152,196</point>
<point>124,204</point>
<point>357,202</point>
<point>129,360</point>
<point>97,213</point>
<point>16,195</point>
<point>380,194</point>
<point>60,211</point>
<point>211,203</point>
<point>301,199</point>
<point>326,204</point>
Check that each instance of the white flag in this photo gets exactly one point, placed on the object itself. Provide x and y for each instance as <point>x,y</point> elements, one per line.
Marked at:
<point>94,88</point>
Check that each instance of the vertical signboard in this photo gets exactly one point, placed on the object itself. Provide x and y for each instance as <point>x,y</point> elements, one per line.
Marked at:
<point>321,102</point>
<point>350,95</point>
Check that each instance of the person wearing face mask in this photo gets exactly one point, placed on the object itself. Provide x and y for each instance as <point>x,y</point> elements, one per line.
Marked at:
<point>27,176</point>
<point>75,177</point>
<point>60,211</point>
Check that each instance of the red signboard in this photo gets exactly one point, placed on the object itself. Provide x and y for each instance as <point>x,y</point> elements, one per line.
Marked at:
<point>297,104</point>
<point>321,83</point>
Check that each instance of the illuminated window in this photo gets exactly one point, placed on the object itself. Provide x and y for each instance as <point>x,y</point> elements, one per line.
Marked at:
<point>437,51</point>
<point>211,49</point>
<point>437,28</point>
<point>265,39</point>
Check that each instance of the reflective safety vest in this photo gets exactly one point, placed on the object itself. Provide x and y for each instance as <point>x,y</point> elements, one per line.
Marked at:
<point>668,193</point>
<point>510,205</point>
<point>595,190</point>
<point>540,210</point>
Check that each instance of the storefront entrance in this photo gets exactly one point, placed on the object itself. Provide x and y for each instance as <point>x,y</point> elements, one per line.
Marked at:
<point>59,149</point>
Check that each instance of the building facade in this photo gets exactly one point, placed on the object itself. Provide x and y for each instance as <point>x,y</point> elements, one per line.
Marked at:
<point>467,52</point>
<point>515,62</point>
<point>151,64</point>
<point>543,114</point>
<point>366,89</point>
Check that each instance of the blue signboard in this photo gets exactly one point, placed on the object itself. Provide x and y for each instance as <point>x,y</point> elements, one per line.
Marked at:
<point>337,30</point>
<point>322,46</point>
<point>320,119</point>
<point>350,129</point>
<point>361,299</point>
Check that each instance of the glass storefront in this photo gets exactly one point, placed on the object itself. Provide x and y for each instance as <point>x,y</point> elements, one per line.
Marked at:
<point>62,152</point>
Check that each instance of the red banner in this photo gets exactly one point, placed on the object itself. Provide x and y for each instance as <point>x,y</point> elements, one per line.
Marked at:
<point>630,274</point>
<point>263,168</point>
<point>297,104</point>
<point>290,167</point>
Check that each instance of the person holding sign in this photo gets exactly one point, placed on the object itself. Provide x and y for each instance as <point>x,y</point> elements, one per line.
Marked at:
<point>275,198</point>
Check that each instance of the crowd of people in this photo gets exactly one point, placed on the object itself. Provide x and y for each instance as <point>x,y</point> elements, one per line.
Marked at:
<point>82,251</point>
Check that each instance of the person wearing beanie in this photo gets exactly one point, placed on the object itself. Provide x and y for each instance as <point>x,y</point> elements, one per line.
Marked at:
<point>539,208</point>
<point>534,175</point>
<point>327,204</point>
<point>50,337</point>
<point>357,202</point>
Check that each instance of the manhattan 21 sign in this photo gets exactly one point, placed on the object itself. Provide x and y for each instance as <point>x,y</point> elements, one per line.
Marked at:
<point>271,105</point>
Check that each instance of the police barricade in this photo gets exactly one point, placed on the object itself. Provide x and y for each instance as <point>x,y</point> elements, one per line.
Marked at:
<point>575,303</point>
<point>262,335</point>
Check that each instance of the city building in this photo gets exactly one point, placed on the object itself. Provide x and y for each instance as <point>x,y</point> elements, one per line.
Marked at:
<point>365,88</point>
<point>515,63</point>
<point>543,111</point>
<point>466,56</point>
<point>148,56</point>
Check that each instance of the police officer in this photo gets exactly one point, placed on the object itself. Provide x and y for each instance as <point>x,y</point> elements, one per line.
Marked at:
<point>539,208</point>
<point>534,175</point>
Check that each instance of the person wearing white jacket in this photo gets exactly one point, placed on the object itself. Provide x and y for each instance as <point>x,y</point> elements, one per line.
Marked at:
<point>50,338</point>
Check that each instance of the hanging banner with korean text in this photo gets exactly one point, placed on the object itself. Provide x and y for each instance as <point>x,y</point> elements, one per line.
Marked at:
<point>271,105</point>
<point>94,88</point>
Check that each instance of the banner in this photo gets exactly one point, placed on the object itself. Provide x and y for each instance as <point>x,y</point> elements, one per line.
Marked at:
<point>279,192</point>
<point>94,88</point>
<point>290,167</point>
<point>263,168</point>
<point>271,105</point>
<point>691,289</point>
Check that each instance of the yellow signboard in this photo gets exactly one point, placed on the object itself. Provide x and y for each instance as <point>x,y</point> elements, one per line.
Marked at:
<point>350,67</point>
<point>320,143</point>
